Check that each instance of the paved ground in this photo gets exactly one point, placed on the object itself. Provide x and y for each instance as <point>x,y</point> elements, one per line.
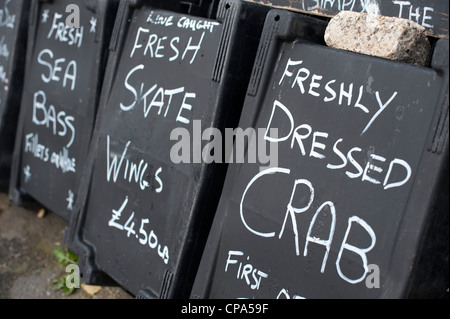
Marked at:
<point>28,265</point>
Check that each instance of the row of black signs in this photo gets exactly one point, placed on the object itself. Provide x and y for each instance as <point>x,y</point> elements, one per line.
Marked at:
<point>221,150</point>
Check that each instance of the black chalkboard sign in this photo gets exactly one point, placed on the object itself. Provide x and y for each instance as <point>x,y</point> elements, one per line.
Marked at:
<point>345,208</point>
<point>13,33</point>
<point>65,65</point>
<point>146,205</point>
<point>431,14</point>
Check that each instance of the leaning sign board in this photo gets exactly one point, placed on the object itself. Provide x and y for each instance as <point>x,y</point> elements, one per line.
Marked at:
<point>147,199</point>
<point>64,73</point>
<point>13,31</point>
<point>361,176</point>
<point>432,15</point>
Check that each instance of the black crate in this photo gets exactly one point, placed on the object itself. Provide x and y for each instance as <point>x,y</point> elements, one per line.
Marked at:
<point>65,66</point>
<point>13,35</point>
<point>432,15</point>
<point>144,214</point>
<point>354,203</point>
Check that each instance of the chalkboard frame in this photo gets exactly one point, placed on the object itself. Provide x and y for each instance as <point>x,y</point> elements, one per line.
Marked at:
<point>426,217</point>
<point>105,11</point>
<point>226,92</point>
<point>9,115</point>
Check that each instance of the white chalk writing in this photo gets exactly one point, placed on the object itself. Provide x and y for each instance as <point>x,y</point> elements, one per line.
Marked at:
<point>235,260</point>
<point>158,97</point>
<point>132,172</point>
<point>6,19</point>
<point>184,22</point>
<point>27,173</point>
<point>144,237</point>
<point>60,31</point>
<point>55,67</point>
<point>93,23</point>
<point>3,77</point>
<point>70,200</point>
<point>421,15</point>
<point>60,123</point>
<point>4,51</point>
<point>159,47</point>
<point>60,159</point>
<point>45,16</point>
<point>291,214</point>
<point>306,82</point>
<point>369,172</point>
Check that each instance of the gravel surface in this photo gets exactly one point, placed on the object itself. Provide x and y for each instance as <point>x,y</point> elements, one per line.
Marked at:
<point>28,265</point>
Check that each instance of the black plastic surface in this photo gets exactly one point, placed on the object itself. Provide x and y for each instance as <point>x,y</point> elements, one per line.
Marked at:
<point>143,218</point>
<point>64,73</point>
<point>13,39</point>
<point>356,206</point>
